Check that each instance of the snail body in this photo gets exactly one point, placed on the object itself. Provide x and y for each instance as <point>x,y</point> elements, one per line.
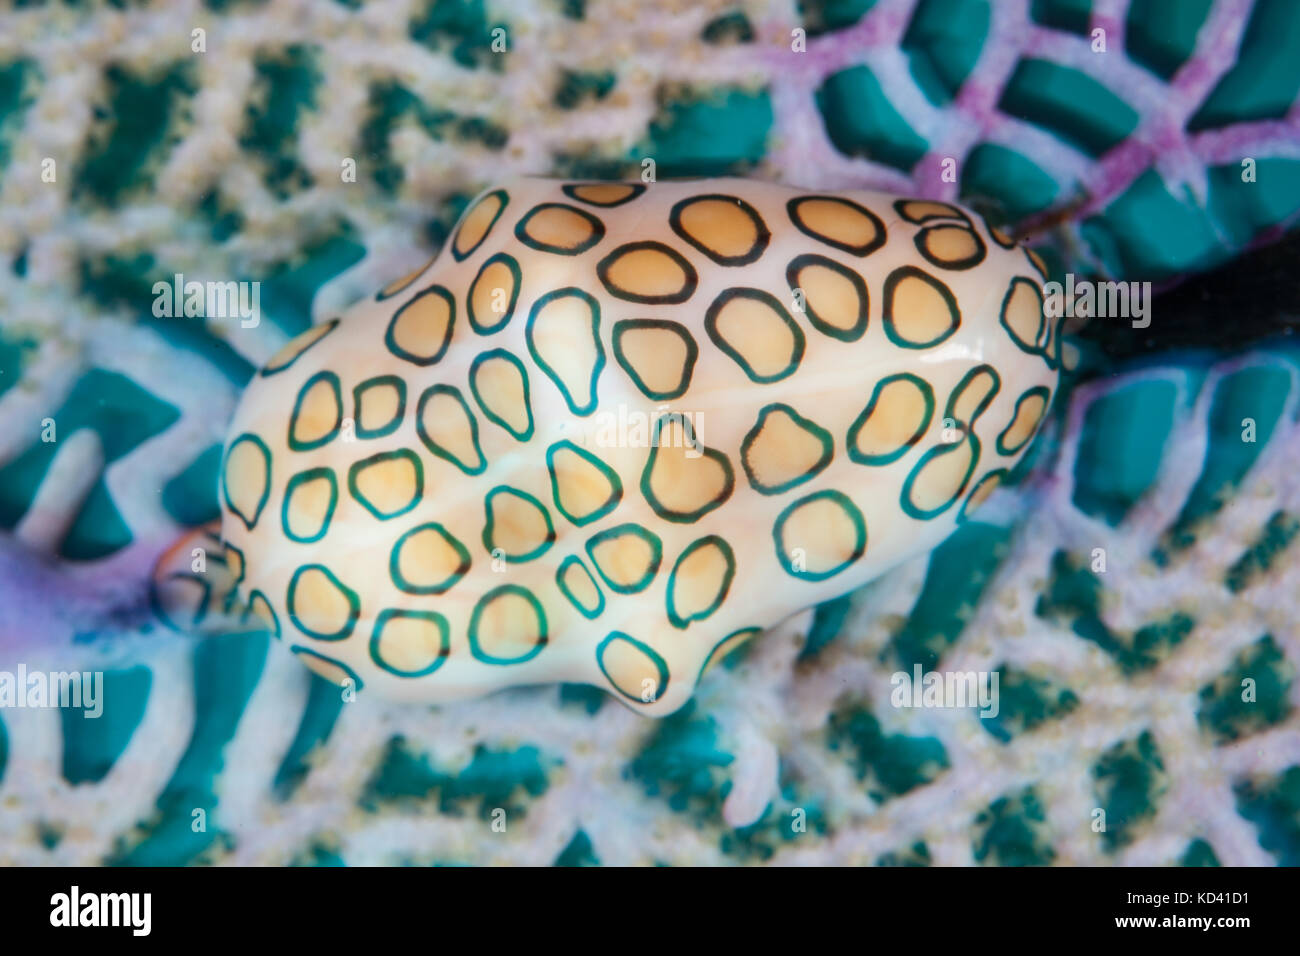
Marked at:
<point>614,430</point>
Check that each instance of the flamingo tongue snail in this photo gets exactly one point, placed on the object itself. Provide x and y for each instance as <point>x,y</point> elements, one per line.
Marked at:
<point>614,430</point>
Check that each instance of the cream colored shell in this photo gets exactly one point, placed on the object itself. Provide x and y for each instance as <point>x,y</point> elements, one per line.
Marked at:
<point>614,430</point>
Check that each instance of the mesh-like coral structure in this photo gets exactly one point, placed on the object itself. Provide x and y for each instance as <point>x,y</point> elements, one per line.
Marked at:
<point>133,148</point>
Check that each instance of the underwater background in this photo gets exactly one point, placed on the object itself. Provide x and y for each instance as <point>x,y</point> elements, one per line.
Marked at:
<point>1121,683</point>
